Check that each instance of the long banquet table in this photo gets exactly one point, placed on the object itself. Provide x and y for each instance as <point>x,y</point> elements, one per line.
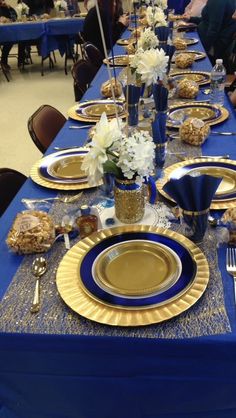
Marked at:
<point>48,32</point>
<point>87,376</point>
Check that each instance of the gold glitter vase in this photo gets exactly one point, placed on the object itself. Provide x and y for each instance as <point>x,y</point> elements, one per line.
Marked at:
<point>129,201</point>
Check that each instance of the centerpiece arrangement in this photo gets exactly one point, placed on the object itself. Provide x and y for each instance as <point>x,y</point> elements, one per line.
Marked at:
<point>129,158</point>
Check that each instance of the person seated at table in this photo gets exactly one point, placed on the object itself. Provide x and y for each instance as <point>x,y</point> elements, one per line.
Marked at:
<point>113,22</point>
<point>7,13</point>
<point>194,8</point>
<point>216,27</point>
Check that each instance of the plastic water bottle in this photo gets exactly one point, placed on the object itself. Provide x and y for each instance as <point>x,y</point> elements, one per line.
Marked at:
<point>218,78</point>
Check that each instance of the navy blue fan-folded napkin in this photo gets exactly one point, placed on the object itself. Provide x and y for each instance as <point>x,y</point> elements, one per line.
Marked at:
<point>132,95</point>
<point>194,194</point>
<point>169,50</point>
<point>162,32</point>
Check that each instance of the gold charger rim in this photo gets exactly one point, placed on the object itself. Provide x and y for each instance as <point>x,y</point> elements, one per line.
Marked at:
<point>184,72</point>
<point>217,205</point>
<point>223,116</point>
<point>168,256</point>
<point>74,115</point>
<point>74,296</point>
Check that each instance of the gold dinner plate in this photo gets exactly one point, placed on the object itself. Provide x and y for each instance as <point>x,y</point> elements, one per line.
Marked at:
<point>71,291</point>
<point>197,55</point>
<point>68,167</point>
<point>119,61</point>
<point>130,268</point>
<point>92,110</point>
<point>209,113</point>
<point>225,196</point>
<point>200,77</point>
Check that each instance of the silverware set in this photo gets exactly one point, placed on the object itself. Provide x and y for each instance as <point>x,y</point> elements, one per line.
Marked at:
<point>63,199</point>
<point>231,265</point>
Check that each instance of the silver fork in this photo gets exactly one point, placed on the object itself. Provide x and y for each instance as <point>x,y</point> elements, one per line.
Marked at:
<point>63,199</point>
<point>231,265</point>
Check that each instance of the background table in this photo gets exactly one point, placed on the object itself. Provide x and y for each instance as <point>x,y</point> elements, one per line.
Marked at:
<point>48,33</point>
<point>61,376</point>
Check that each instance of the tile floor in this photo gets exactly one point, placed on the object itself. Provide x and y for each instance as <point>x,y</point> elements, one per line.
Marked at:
<point>26,91</point>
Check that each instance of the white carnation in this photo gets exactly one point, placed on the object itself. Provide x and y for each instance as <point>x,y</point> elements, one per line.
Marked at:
<point>155,16</point>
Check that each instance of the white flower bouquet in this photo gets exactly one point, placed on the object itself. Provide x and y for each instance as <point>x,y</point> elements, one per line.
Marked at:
<point>148,39</point>
<point>155,17</point>
<point>126,157</point>
<point>149,65</point>
<point>22,9</point>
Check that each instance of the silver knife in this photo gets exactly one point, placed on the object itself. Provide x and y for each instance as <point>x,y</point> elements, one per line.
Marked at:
<point>80,127</point>
<point>222,133</point>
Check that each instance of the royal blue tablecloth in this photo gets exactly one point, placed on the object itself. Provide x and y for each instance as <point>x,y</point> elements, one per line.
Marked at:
<point>52,376</point>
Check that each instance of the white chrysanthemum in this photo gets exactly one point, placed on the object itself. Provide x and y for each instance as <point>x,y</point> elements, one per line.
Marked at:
<point>134,60</point>
<point>155,16</point>
<point>152,65</point>
<point>137,156</point>
<point>148,39</point>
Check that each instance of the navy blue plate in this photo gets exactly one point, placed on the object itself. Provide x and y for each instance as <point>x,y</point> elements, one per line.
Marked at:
<point>185,280</point>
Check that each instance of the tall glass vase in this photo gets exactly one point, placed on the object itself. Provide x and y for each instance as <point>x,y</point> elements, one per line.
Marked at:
<point>129,201</point>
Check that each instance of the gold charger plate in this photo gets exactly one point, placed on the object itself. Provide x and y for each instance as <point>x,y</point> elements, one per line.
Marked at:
<point>203,111</point>
<point>228,184</point>
<point>191,41</point>
<point>198,55</point>
<point>76,298</point>
<point>93,109</point>
<point>119,60</point>
<point>200,77</point>
<point>129,268</point>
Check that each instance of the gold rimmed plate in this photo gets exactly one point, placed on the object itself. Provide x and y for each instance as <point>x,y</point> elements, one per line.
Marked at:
<point>61,170</point>
<point>74,273</point>
<point>92,110</point>
<point>225,196</point>
<point>197,55</point>
<point>130,268</point>
<point>209,113</point>
<point>117,61</point>
<point>200,77</point>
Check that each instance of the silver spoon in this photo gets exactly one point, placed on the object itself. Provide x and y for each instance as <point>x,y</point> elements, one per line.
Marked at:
<point>39,267</point>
